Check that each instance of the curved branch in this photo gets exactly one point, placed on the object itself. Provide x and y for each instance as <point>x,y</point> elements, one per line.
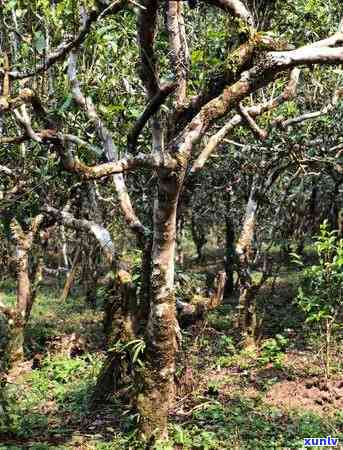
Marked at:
<point>110,151</point>
<point>152,160</point>
<point>152,108</point>
<point>235,63</point>
<point>100,233</point>
<point>148,71</point>
<point>267,70</point>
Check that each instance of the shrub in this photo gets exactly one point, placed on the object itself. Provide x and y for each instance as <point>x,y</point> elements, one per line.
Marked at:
<point>320,295</point>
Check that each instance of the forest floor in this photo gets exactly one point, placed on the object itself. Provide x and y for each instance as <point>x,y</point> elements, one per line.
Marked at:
<point>228,398</point>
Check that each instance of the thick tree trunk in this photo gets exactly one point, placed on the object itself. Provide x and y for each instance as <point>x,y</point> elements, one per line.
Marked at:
<point>24,305</point>
<point>18,316</point>
<point>156,396</point>
<point>246,307</point>
<point>13,350</point>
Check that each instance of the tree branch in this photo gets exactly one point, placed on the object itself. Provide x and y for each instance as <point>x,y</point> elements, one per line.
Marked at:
<point>151,109</point>
<point>66,47</point>
<point>312,115</point>
<point>100,233</point>
<point>253,111</point>
<point>7,171</point>
<point>261,134</point>
<point>148,71</point>
<point>25,121</point>
<point>110,152</point>
<point>13,139</point>
<point>267,70</point>
<point>235,8</point>
<point>153,161</point>
<point>234,64</point>
<point>179,48</point>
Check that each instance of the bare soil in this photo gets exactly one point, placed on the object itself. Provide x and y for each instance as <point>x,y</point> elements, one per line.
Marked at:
<point>314,394</point>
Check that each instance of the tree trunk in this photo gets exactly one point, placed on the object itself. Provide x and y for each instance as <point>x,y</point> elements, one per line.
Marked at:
<point>70,276</point>
<point>18,316</point>
<point>37,277</point>
<point>23,280</point>
<point>199,237</point>
<point>121,326</point>
<point>230,253</point>
<point>157,393</point>
<point>247,313</point>
<point>145,288</point>
<point>16,346</point>
<point>246,308</point>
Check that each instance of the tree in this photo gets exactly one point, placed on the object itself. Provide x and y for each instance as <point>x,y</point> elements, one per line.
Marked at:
<point>178,123</point>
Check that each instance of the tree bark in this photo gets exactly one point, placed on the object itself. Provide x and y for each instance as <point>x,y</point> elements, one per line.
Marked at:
<point>157,376</point>
<point>230,253</point>
<point>246,309</point>
<point>25,291</point>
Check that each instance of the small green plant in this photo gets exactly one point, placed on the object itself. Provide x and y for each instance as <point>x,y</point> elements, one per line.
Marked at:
<point>320,295</point>
<point>226,344</point>
<point>135,347</point>
<point>272,351</point>
<point>182,436</point>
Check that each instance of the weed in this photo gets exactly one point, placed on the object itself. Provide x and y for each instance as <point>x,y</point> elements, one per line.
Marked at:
<point>272,351</point>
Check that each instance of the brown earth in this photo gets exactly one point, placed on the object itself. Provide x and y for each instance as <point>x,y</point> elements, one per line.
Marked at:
<point>313,394</point>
